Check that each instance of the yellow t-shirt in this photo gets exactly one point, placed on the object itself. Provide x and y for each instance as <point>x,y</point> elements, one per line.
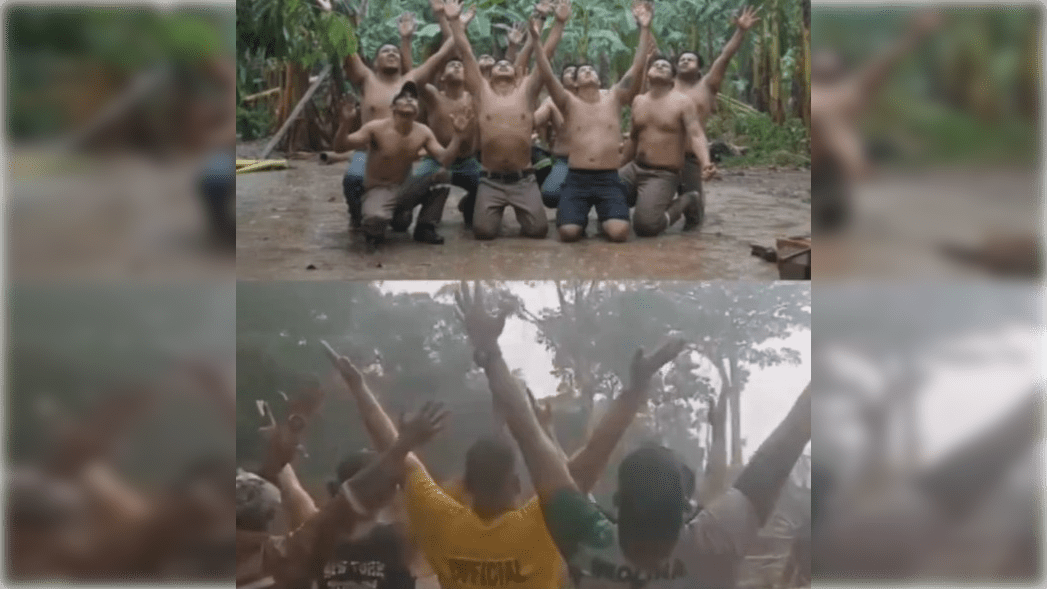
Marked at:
<point>514,550</point>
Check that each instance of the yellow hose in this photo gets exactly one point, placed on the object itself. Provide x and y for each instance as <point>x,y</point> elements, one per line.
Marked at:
<point>245,166</point>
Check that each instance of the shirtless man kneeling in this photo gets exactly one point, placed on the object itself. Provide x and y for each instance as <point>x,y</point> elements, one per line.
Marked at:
<point>594,120</point>
<point>442,106</point>
<point>702,90</point>
<point>394,145</point>
<point>549,122</point>
<point>505,109</point>
<point>665,125</point>
<point>376,87</point>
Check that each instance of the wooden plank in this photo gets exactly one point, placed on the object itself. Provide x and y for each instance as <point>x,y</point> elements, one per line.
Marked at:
<point>294,113</point>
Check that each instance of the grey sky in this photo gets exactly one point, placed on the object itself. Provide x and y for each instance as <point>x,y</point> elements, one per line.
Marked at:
<point>766,399</point>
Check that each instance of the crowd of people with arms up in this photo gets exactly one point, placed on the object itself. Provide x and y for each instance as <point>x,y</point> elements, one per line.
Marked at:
<point>389,524</point>
<point>478,123</point>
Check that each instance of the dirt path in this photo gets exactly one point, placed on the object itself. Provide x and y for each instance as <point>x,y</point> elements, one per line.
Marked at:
<point>292,225</point>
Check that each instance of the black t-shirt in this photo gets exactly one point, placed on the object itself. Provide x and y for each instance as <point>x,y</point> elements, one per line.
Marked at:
<point>376,561</point>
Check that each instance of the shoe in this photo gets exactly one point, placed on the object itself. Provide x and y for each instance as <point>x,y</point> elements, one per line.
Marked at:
<point>467,211</point>
<point>401,221</point>
<point>693,213</point>
<point>373,241</point>
<point>426,233</point>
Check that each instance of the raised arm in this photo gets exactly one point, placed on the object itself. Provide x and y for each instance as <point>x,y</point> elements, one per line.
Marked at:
<point>446,155</point>
<point>520,59</point>
<point>380,428</point>
<point>356,70</point>
<point>714,77</point>
<point>407,25</point>
<point>556,90</point>
<point>547,467</point>
<point>424,73</point>
<point>869,79</point>
<point>629,86</point>
<point>294,559</point>
<point>696,139</point>
<point>588,464</point>
<point>473,78</point>
<point>563,14</point>
<point>361,139</point>
<point>762,478</point>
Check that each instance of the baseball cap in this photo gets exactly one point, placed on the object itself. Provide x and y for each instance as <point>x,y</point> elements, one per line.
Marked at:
<point>409,88</point>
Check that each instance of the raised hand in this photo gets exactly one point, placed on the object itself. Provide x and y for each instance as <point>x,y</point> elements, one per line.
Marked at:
<point>563,10</point>
<point>406,24</point>
<point>347,111</point>
<point>437,6</point>
<point>452,9</point>
<point>643,12</point>
<point>419,428</point>
<point>462,120</point>
<point>352,375</point>
<point>747,18</point>
<point>482,327</point>
<point>284,439</point>
<point>516,34</point>
<point>644,367</point>
<point>544,8</point>
<point>534,29</point>
<point>467,16</point>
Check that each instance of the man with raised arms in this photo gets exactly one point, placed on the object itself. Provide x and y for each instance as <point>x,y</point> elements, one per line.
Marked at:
<point>377,87</point>
<point>394,144</point>
<point>491,539</point>
<point>505,109</point>
<point>549,123</point>
<point>665,125</point>
<point>595,147</point>
<point>653,543</point>
<point>702,90</point>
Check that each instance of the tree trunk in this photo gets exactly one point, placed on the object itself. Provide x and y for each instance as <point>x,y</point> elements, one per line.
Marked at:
<point>736,427</point>
<point>296,83</point>
<point>758,86</point>
<point>804,67</point>
<point>714,483</point>
<point>775,70</point>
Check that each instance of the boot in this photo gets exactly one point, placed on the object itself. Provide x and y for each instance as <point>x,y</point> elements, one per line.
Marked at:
<point>694,212</point>
<point>426,233</point>
<point>466,206</point>
<point>372,242</point>
<point>401,220</point>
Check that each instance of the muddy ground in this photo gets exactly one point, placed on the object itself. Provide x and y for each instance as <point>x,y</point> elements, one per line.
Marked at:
<point>293,225</point>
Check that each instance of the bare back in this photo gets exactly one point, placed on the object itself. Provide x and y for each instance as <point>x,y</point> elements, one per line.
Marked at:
<point>659,129</point>
<point>561,146</point>
<point>595,132</point>
<point>391,153</point>
<point>443,127</point>
<point>505,129</point>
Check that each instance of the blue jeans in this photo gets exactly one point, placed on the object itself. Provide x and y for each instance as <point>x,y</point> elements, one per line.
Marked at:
<point>553,185</point>
<point>465,174</point>
<point>218,189</point>
<point>353,185</point>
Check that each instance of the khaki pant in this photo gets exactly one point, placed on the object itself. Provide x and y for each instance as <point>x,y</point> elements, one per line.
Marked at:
<point>381,202</point>
<point>524,197</point>
<point>654,192</point>
<point>691,183</point>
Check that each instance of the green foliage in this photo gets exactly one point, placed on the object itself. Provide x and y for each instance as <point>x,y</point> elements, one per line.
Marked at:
<point>788,144</point>
<point>253,123</point>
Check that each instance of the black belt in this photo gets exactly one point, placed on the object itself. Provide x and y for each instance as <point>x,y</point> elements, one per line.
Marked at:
<point>507,177</point>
